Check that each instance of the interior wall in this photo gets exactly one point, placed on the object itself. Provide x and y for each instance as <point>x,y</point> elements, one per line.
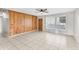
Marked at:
<point>0,26</point>
<point>3,22</point>
<point>76,25</point>
<point>20,23</point>
<point>0,22</point>
<point>69,26</point>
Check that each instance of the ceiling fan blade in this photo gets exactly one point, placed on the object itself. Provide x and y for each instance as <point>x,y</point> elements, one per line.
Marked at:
<point>38,10</point>
<point>44,9</point>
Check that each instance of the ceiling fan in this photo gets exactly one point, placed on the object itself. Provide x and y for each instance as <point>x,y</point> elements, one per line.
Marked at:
<point>42,10</point>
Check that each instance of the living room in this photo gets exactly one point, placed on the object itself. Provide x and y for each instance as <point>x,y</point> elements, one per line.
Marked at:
<point>39,28</point>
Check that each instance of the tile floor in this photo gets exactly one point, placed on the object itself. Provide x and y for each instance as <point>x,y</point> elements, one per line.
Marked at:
<point>39,41</point>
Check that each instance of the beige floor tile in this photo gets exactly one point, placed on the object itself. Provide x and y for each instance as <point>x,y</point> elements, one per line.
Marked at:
<point>39,41</point>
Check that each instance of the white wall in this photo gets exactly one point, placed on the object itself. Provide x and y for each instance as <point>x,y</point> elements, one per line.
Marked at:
<point>0,26</point>
<point>70,23</point>
<point>76,25</point>
<point>3,22</point>
<point>69,26</point>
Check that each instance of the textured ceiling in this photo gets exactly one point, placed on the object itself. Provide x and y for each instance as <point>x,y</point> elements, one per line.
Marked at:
<point>51,11</point>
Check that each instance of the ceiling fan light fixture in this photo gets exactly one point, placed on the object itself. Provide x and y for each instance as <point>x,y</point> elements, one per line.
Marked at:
<point>41,11</point>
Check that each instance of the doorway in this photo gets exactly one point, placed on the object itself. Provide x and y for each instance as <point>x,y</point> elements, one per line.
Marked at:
<point>40,24</point>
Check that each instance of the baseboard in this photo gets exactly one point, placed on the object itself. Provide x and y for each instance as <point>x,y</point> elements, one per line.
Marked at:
<point>59,33</point>
<point>22,33</point>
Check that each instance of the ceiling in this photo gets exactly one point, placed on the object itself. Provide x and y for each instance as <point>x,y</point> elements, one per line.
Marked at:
<point>51,11</point>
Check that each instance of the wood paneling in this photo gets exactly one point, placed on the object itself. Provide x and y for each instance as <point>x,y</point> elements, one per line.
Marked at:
<point>34,22</point>
<point>20,22</point>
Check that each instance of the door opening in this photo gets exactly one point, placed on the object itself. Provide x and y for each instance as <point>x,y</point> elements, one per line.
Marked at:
<point>40,24</point>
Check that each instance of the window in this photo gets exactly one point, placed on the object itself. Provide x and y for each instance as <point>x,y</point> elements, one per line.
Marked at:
<point>50,22</point>
<point>56,24</point>
<point>61,22</point>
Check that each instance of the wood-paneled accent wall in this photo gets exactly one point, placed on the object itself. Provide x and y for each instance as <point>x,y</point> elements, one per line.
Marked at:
<point>20,22</point>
